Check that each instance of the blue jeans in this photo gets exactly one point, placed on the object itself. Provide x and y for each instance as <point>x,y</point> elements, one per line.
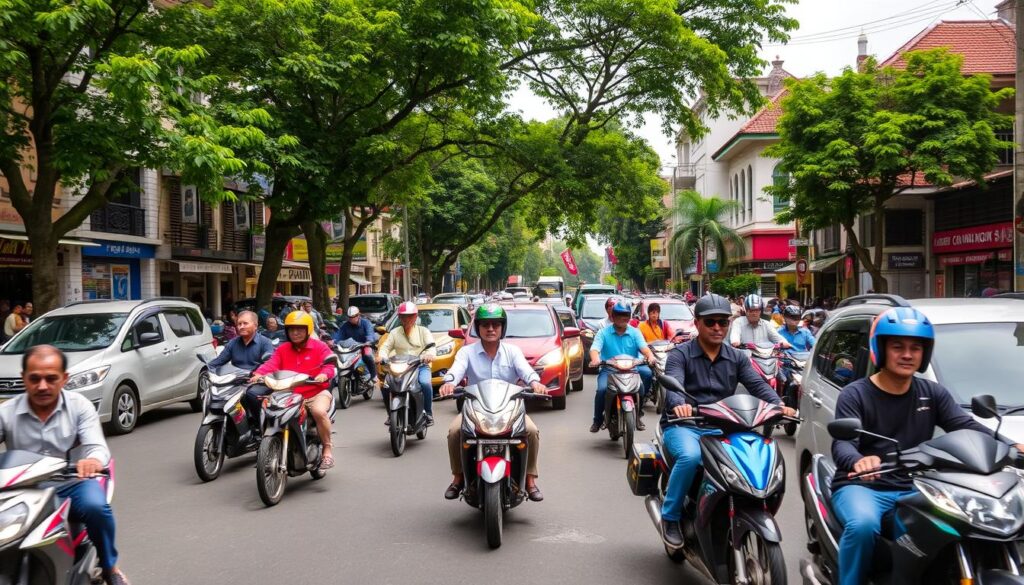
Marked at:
<point>860,509</point>
<point>371,366</point>
<point>89,506</point>
<point>683,444</point>
<point>646,376</point>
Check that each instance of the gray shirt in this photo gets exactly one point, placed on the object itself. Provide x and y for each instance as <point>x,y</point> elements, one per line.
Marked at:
<point>509,364</point>
<point>73,424</point>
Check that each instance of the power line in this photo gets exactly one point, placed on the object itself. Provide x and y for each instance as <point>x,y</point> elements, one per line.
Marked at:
<point>930,17</point>
<point>916,11</point>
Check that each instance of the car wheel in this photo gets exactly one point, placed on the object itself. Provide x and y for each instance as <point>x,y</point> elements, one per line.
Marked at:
<point>196,404</point>
<point>124,410</point>
<point>558,402</point>
<point>577,385</point>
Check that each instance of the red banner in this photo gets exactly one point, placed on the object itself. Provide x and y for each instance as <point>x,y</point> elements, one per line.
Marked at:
<point>982,237</point>
<point>570,262</point>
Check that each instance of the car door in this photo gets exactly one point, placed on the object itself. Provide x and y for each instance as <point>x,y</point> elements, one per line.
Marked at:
<point>154,364</point>
<point>183,341</point>
<point>842,358</point>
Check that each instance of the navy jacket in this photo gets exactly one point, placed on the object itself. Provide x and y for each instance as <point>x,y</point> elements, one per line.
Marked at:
<point>363,333</point>
<point>246,357</point>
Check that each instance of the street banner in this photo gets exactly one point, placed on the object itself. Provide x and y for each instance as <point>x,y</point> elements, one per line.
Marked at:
<point>570,262</point>
<point>801,271</point>
<point>611,256</point>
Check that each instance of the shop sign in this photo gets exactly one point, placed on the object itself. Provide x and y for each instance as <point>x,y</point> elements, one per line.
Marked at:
<point>773,266</point>
<point>962,259</point>
<point>906,260</point>
<point>204,267</point>
<point>359,250</point>
<point>982,237</point>
<point>335,251</point>
<point>257,247</point>
<point>298,250</point>
<point>15,253</point>
<point>294,275</point>
<point>120,277</point>
<point>848,264</point>
<point>801,271</point>
<point>120,250</point>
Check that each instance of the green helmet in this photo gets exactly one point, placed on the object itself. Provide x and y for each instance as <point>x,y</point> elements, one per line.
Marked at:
<point>490,312</point>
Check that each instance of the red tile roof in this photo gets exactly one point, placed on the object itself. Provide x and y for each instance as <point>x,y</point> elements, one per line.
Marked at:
<point>987,46</point>
<point>764,122</point>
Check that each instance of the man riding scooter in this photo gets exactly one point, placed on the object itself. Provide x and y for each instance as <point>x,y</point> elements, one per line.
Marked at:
<point>303,354</point>
<point>709,370</point>
<point>619,339</point>
<point>753,329</point>
<point>488,360</point>
<point>360,330</point>
<point>800,338</point>
<point>892,402</point>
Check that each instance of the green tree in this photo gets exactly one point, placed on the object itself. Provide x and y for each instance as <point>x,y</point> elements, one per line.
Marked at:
<point>701,225</point>
<point>89,90</point>
<point>853,143</point>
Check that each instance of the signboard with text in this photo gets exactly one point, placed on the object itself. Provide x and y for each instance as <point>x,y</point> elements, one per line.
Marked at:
<point>906,260</point>
<point>982,237</point>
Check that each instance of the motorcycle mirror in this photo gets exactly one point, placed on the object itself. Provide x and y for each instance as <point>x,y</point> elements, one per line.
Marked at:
<point>456,334</point>
<point>984,406</point>
<point>670,383</point>
<point>845,429</point>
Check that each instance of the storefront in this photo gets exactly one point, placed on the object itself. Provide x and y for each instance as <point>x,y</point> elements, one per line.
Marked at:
<point>973,259</point>
<point>767,254</point>
<point>15,270</point>
<point>115,270</point>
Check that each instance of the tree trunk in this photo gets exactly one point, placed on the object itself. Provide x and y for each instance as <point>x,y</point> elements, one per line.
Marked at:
<point>354,229</point>
<point>316,244</point>
<point>44,268</point>
<point>880,284</point>
<point>279,231</point>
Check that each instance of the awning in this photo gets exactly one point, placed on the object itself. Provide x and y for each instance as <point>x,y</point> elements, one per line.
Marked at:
<point>816,266</point>
<point>359,280</point>
<point>203,267</point>
<point>62,241</point>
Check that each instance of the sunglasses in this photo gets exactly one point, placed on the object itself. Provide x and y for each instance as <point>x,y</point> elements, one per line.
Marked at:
<point>490,324</point>
<point>710,322</point>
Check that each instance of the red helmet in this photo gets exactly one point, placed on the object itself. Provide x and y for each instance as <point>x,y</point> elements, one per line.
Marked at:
<point>408,308</point>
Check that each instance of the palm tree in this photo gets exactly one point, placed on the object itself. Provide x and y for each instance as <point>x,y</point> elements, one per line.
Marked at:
<point>700,223</point>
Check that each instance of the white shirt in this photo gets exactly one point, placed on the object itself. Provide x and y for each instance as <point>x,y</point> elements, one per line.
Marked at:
<point>743,332</point>
<point>74,424</point>
<point>509,364</point>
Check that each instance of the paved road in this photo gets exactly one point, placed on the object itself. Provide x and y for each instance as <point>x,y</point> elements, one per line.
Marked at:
<point>378,519</point>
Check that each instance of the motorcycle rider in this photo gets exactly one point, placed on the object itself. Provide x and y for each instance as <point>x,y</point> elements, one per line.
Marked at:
<point>608,304</point>
<point>411,339</point>
<point>48,420</point>
<point>895,403</point>
<point>709,370</point>
<point>488,360</point>
<point>753,329</point>
<point>619,339</point>
<point>273,330</point>
<point>247,350</point>
<point>654,329</point>
<point>800,338</point>
<point>359,329</point>
<point>303,354</point>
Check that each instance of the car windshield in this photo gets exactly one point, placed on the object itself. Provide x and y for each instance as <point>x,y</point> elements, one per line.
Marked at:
<point>981,358</point>
<point>593,308</point>
<point>676,312</point>
<point>70,332</point>
<point>369,304</point>
<point>528,324</point>
<point>566,318</point>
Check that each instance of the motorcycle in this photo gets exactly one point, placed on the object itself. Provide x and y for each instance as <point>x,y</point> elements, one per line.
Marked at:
<point>764,357</point>
<point>225,430</point>
<point>352,378</point>
<point>660,349</point>
<point>621,401</point>
<point>729,529</point>
<point>791,367</point>
<point>965,524</point>
<point>40,543</point>
<point>290,445</point>
<point>494,453</point>
<point>405,400</point>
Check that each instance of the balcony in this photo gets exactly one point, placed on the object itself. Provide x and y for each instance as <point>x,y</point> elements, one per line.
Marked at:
<point>115,218</point>
<point>684,176</point>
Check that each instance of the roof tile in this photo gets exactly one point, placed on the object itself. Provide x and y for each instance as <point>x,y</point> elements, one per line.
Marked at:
<point>987,46</point>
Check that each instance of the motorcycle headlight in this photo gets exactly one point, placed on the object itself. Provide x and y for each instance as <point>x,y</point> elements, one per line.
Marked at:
<point>777,478</point>
<point>446,349</point>
<point>624,364</point>
<point>550,358</point>
<point>486,423</point>
<point>87,378</point>
<point>12,521</point>
<point>1003,516</point>
<point>398,368</point>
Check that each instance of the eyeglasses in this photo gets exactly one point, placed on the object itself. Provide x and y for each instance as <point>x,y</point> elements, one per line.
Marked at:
<point>709,322</point>
<point>490,324</point>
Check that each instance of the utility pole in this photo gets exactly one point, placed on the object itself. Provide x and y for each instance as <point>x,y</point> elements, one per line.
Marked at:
<point>1018,155</point>
<point>407,281</point>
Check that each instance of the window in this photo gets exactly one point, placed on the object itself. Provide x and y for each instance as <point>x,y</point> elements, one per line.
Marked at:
<point>179,323</point>
<point>842,358</point>
<point>965,345</point>
<point>197,319</point>
<point>147,325</point>
<point>69,332</point>
<point>830,238</point>
<point>867,230</point>
<point>1005,155</point>
<point>904,227</point>
<point>736,190</point>
<point>743,193</point>
<point>780,178</point>
<point>750,191</point>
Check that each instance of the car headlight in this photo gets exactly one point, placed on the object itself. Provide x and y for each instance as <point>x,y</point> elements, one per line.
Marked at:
<point>12,521</point>
<point>575,350</point>
<point>550,358</point>
<point>87,378</point>
<point>446,348</point>
<point>1003,516</point>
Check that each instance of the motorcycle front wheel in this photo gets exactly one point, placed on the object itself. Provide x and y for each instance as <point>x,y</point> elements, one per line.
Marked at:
<point>791,401</point>
<point>763,561</point>
<point>270,478</point>
<point>344,393</point>
<point>209,457</point>
<point>397,433</point>
<point>659,398</point>
<point>493,514</point>
<point>627,436</point>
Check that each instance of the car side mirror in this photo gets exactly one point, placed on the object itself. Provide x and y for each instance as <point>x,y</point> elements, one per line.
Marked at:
<point>845,429</point>
<point>984,406</point>
<point>149,337</point>
<point>570,332</point>
<point>456,334</point>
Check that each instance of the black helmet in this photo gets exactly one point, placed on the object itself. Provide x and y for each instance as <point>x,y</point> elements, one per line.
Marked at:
<point>792,311</point>
<point>712,304</point>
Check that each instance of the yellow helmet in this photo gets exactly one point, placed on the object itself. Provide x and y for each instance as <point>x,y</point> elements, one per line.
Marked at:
<point>299,319</point>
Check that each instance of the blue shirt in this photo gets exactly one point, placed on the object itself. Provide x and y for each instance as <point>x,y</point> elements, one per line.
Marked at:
<point>362,333</point>
<point>608,343</point>
<point>802,340</point>
<point>245,357</point>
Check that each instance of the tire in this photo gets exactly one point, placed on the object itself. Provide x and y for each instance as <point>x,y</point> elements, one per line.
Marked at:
<point>558,402</point>
<point>762,557</point>
<point>422,434</point>
<point>659,398</point>
<point>369,393</point>
<point>270,481</point>
<point>613,426</point>
<point>577,385</point>
<point>344,393</point>
<point>791,402</point>
<point>209,463</point>
<point>493,514</point>
<point>397,429</point>
<point>124,410</point>
<point>458,404</point>
<point>196,404</point>
<point>627,436</point>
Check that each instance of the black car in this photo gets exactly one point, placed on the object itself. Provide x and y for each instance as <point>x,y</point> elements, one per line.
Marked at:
<point>377,307</point>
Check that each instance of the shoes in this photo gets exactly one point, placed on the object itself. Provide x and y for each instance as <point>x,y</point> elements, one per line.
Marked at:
<point>430,420</point>
<point>453,491</point>
<point>595,427</point>
<point>387,421</point>
<point>671,533</point>
<point>534,493</point>
<point>640,426</point>
<point>115,577</point>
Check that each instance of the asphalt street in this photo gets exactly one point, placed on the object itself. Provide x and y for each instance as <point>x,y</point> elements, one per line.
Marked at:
<point>380,519</point>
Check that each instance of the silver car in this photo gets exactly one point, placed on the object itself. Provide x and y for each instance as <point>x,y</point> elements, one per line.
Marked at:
<point>127,357</point>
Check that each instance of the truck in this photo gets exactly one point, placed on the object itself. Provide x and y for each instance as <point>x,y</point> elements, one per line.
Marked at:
<point>549,286</point>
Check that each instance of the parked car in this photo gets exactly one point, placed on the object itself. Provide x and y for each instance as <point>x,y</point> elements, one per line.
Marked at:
<point>377,307</point>
<point>591,289</point>
<point>126,357</point>
<point>574,347</point>
<point>536,329</point>
<point>979,349</point>
<point>676,313</point>
<point>439,318</point>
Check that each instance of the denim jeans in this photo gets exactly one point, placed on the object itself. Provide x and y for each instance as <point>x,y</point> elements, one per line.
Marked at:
<point>89,506</point>
<point>646,376</point>
<point>860,509</point>
<point>428,390</point>
<point>683,444</point>
<point>371,366</point>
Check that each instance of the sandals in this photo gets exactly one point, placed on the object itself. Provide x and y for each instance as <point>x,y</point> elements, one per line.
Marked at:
<point>328,461</point>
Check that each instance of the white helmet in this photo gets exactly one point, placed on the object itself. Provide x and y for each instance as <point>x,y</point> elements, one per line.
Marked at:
<point>408,308</point>
<point>353,311</point>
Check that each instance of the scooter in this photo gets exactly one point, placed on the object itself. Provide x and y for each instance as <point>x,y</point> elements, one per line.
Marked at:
<point>405,400</point>
<point>764,357</point>
<point>660,349</point>
<point>729,529</point>
<point>40,544</point>
<point>790,377</point>
<point>225,430</point>
<point>290,445</point>
<point>965,524</point>
<point>494,450</point>
<point>622,400</point>
<point>352,378</point>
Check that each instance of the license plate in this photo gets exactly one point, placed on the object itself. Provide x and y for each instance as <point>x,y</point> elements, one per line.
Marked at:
<point>493,441</point>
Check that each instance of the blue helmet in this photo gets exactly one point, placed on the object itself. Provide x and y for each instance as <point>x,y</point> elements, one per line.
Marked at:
<point>621,307</point>
<point>901,322</point>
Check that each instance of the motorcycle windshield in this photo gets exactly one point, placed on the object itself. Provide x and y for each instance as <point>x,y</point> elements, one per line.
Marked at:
<point>493,396</point>
<point>347,345</point>
<point>284,380</point>
<point>741,411</point>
